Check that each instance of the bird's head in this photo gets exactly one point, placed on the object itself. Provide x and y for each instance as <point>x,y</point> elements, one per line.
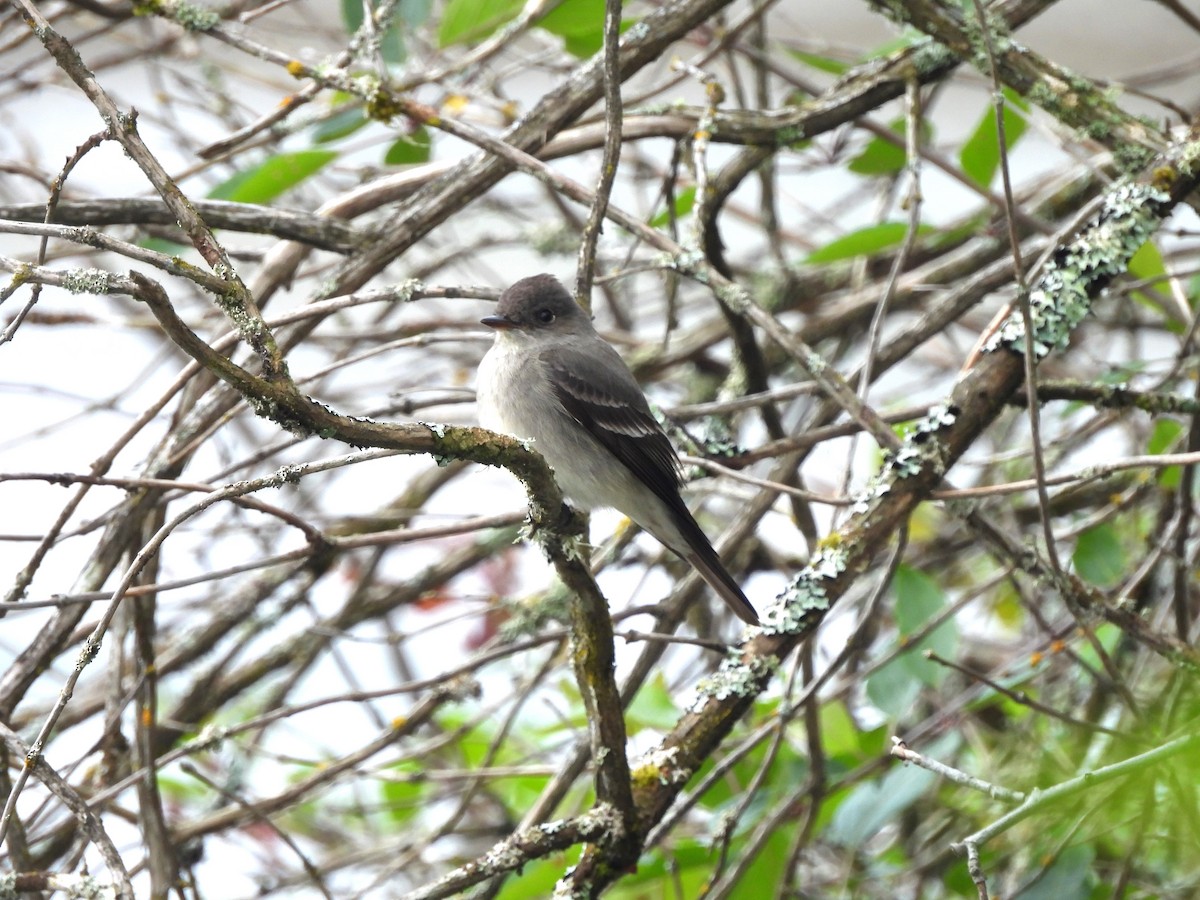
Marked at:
<point>538,306</point>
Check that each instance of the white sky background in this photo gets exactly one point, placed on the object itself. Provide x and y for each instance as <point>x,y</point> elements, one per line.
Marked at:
<point>51,429</point>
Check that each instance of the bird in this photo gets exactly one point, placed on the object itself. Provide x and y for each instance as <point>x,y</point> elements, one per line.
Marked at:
<point>551,378</point>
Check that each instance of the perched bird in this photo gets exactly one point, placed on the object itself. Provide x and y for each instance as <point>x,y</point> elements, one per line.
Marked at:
<point>551,378</point>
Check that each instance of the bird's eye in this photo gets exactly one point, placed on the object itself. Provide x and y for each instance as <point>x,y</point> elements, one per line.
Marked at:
<point>545,316</point>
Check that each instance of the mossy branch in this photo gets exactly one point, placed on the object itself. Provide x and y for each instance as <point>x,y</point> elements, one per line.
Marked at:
<point>1075,101</point>
<point>1083,266</point>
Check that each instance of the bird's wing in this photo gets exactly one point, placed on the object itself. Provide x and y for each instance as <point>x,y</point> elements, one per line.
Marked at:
<point>598,392</point>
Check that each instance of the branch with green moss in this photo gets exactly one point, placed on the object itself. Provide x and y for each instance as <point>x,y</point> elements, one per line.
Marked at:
<point>862,90</point>
<point>1082,267</point>
<point>1079,270</point>
<point>518,849</point>
<point>1112,396</point>
<point>1072,99</point>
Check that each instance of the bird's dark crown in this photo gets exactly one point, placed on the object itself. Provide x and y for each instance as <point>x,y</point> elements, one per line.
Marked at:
<point>538,302</point>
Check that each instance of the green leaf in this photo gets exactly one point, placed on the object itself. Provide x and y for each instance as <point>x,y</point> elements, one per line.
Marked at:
<point>839,733</point>
<point>874,804</point>
<point>352,15</point>
<point>1099,557</point>
<point>685,864</point>
<point>1148,265</point>
<point>413,13</point>
<point>519,792</point>
<point>957,881</point>
<point>574,17</point>
<point>790,767</point>
<point>410,149</point>
<point>1065,878</point>
<point>864,242</point>
<point>164,246</point>
<point>339,125</point>
<point>980,155</point>
<point>474,745</point>
<point>918,600</point>
<point>391,46</point>
<point>820,63</point>
<point>1006,605</point>
<point>882,157</point>
<point>186,790</point>
<point>893,689</point>
<point>1164,438</point>
<point>272,177</point>
<point>404,795</point>
<point>469,21</point>
<point>718,793</point>
<point>878,157</point>
<point>583,46</point>
<point>581,21</point>
<point>1108,635</point>
<point>539,876</point>
<point>652,707</point>
<point>684,201</point>
<point>769,866</point>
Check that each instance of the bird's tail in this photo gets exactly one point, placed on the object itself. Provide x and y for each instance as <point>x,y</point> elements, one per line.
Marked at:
<point>709,565</point>
<point>675,526</point>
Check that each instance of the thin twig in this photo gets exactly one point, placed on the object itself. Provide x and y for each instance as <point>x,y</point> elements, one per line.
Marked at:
<point>1035,431</point>
<point>586,267</point>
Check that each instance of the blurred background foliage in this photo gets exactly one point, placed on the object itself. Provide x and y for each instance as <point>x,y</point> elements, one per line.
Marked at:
<point>353,684</point>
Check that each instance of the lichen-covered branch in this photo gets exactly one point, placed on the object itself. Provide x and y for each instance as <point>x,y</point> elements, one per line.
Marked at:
<point>1075,101</point>
<point>1085,264</point>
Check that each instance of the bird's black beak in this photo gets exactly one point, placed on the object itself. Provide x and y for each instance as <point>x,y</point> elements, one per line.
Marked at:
<point>502,322</point>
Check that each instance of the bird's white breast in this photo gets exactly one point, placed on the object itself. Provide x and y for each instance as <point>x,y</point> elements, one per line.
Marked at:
<point>515,397</point>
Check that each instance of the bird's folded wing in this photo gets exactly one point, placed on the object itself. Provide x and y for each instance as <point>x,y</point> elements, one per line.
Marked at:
<point>607,402</point>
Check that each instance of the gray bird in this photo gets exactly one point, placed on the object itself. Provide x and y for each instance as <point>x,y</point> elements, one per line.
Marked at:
<point>551,378</point>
